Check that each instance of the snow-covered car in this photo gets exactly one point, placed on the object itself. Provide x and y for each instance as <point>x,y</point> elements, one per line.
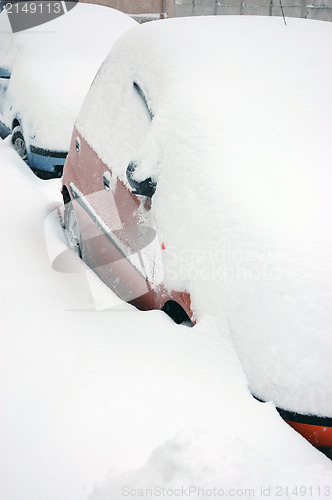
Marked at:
<point>198,182</point>
<point>45,73</point>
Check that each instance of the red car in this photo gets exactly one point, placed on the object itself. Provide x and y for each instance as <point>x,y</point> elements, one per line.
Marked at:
<point>148,124</point>
<point>105,223</point>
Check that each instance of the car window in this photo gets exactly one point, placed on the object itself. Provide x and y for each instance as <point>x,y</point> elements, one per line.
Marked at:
<point>4,72</point>
<point>144,96</point>
<point>135,122</point>
<point>131,120</point>
<point>118,114</point>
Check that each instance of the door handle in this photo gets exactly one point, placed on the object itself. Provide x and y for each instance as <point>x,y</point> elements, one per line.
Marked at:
<point>107,180</point>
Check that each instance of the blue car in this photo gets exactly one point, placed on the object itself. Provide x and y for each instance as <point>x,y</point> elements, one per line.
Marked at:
<point>44,162</point>
<point>45,73</point>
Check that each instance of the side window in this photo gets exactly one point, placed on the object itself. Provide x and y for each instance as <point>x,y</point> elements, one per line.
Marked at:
<point>132,115</point>
<point>145,98</point>
<point>117,116</point>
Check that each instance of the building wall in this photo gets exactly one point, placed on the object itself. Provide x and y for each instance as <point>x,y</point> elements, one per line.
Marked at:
<point>141,9</point>
<point>144,10</point>
<point>311,9</point>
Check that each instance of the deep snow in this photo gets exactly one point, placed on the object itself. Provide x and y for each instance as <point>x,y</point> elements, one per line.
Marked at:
<point>240,147</point>
<point>94,402</point>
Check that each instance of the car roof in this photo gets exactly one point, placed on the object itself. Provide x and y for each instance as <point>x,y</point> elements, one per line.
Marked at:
<point>227,72</point>
<point>180,46</point>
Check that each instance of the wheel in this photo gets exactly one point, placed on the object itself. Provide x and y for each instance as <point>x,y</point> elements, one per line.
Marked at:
<point>19,143</point>
<point>72,229</point>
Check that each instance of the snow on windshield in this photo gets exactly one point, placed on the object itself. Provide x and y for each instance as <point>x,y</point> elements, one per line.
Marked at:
<point>240,145</point>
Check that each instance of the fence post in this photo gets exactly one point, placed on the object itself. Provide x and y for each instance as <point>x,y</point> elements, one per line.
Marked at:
<point>304,9</point>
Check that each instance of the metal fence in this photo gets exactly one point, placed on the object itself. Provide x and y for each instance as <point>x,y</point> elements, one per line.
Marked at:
<point>144,10</point>
<point>314,9</point>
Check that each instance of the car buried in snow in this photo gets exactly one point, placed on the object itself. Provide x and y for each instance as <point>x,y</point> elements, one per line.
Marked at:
<point>197,183</point>
<point>45,72</point>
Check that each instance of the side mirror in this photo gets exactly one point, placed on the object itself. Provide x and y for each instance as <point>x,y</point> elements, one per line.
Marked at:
<point>143,188</point>
<point>5,73</point>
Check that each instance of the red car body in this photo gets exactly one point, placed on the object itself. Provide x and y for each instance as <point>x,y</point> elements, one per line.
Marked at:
<point>106,214</point>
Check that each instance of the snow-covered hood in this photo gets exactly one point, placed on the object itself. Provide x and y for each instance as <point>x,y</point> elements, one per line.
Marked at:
<point>53,66</point>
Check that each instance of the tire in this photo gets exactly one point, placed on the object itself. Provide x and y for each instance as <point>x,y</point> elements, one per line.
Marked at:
<point>18,142</point>
<point>72,230</point>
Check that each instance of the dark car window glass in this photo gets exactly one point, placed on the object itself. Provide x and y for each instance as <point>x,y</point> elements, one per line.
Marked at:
<point>4,72</point>
<point>143,94</point>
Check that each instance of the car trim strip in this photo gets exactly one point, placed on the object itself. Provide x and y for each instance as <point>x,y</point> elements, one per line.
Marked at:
<point>83,202</point>
<point>305,419</point>
<point>46,152</point>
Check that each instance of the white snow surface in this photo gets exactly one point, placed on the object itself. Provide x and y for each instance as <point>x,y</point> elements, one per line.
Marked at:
<point>53,66</point>
<point>240,145</point>
<point>95,402</point>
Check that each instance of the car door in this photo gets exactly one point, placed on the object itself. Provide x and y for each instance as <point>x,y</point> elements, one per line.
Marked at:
<point>118,238</point>
<point>136,237</point>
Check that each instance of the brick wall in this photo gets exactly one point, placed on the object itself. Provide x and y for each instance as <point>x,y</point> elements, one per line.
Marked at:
<point>141,9</point>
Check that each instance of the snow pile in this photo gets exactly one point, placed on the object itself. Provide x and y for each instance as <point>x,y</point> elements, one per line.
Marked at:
<point>53,66</point>
<point>197,465</point>
<point>240,145</point>
<point>89,395</point>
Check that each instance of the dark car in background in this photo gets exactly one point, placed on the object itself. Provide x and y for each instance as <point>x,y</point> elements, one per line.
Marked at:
<point>45,73</point>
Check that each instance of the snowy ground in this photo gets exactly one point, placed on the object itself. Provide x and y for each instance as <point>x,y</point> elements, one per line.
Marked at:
<point>103,404</point>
